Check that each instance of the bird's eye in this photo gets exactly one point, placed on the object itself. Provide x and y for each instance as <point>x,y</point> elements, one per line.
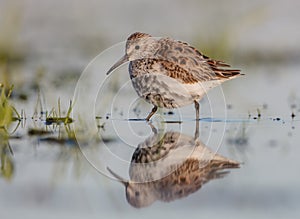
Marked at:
<point>137,194</point>
<point>137,47</point>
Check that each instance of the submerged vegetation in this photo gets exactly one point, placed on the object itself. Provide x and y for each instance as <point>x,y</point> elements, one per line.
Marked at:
<point>6,153</point>
<point>8,114</point>
<point>55,116</point>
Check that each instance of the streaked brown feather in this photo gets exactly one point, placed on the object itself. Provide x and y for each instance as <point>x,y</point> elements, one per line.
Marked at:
<point>190,176</point>
<point>202,67</point>
<point>174,70</point>
<point>167,68</point>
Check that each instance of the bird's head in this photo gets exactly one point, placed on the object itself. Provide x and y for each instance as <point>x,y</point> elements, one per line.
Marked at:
<point>138,45</point>
<point>138,195</point>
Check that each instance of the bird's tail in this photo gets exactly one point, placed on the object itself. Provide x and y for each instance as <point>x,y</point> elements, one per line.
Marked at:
<point>222,69</point>
<point>227,73</point>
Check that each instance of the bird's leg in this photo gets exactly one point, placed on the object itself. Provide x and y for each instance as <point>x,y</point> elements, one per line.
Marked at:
<point>197,119</point>
<point>197,109</point>
<point>154,109</point>
<point>197,130</point>
<point>154,130</point>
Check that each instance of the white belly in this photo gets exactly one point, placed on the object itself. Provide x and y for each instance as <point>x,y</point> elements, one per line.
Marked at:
<point>163,91</point>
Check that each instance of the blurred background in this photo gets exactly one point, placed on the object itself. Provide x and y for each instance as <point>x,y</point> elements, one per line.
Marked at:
<point>68,34</point>
<point>45,46</point>
<point>41,39</point>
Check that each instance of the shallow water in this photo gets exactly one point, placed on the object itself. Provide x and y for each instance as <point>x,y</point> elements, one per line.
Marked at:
<point>248,119</point>
<point>55,177</point>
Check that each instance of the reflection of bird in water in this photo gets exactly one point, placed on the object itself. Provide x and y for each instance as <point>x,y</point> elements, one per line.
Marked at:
<point>171,166</point>
<point>169,73</point>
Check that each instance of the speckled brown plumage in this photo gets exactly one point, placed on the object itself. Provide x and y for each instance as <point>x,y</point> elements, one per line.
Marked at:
<point>147,66</point>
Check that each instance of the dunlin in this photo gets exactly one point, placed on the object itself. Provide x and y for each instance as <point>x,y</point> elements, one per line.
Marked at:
<point>169,73</point>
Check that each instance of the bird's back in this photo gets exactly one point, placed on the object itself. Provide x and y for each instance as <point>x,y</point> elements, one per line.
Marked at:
<point>191,60</point>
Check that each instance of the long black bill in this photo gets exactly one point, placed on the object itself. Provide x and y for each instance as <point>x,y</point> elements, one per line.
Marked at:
<point>121,179</point>
<point>118,63</point>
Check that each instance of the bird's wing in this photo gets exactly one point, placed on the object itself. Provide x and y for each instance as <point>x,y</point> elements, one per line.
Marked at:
<point>190,59</point>
<point>190,176</point>
<point>183,181</point>
<point>167,68</point>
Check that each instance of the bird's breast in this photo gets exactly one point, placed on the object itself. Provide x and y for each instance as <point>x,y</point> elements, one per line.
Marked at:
<point>161,90</point>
